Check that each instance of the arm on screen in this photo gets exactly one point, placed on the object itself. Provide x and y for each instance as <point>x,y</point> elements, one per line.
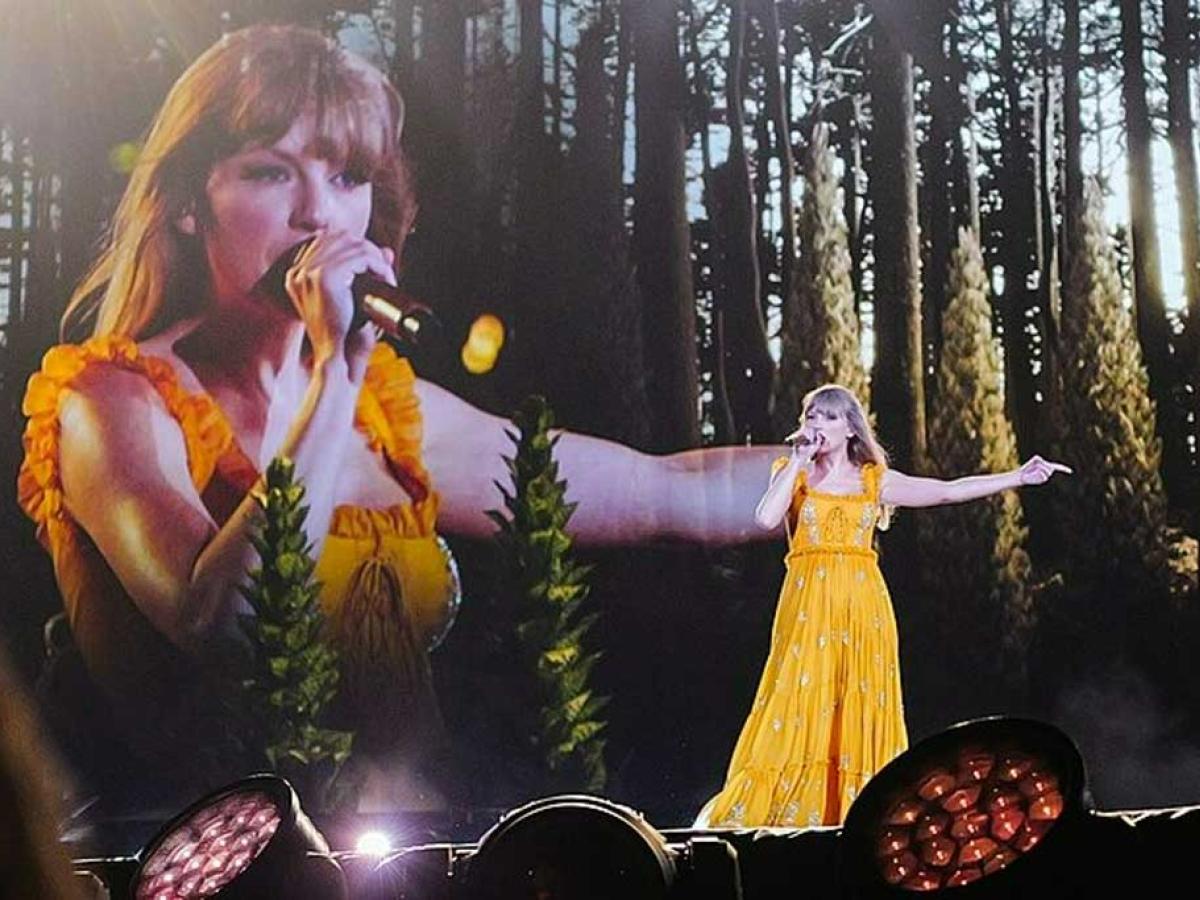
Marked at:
<point>624,496</point>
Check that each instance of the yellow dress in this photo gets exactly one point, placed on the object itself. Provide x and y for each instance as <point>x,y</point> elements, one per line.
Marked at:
<point>828,712</point>
<point>389,585</point>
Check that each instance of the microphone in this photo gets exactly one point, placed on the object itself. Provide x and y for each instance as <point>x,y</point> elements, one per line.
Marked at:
<point>799,433</point>
<point>397,314</point>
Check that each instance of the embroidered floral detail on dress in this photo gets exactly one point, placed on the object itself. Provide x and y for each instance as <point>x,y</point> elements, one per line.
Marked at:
<point>808,515</point>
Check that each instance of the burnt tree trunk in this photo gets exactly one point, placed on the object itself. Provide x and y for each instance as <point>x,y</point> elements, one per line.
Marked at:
<point>897,382</point>
<point>661,236</point>
<point>1018,226</point>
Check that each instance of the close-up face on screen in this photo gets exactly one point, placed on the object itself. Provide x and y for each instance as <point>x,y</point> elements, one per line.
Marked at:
<point>598,449</point>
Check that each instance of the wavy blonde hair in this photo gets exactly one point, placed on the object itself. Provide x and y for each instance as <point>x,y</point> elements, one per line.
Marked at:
<point>247,89</point>
<point>863,447</point>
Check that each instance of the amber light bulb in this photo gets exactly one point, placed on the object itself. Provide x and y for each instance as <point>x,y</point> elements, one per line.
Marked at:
<point>899,867</point>
<point>977,850</point>
<point>893,841</point>
<point>936,784</point>
<point>964,876</point>
<point>975,766</point>
<point>1037,783</point>
<point>962,799</point>
<point>925,880</point>
<point>1046,808</point>
<point>938,851</point>
<point>931,825</point>
<point>905,812</point>
<point>1006,823</point>
<point>1013,766</point>
<point>969,824</point>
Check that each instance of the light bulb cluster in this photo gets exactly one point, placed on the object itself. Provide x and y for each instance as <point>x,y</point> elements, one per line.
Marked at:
<point>210,849</point>
<point>967,819</point>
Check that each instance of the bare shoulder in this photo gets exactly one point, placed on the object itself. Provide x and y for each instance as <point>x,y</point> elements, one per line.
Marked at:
<point>115,428</point>
<point>108,400</point>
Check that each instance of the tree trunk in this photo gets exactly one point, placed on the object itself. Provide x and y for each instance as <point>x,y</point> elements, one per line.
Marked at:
<point>1018,218</point>
<point>1180,133</point>
<point>661,237</point>
<point>847,116</point>
<point>942,179</point>
<point>777,103</point>
<point>1149,304</point>
<point>897,384</point>
<point>402,59</point>
<point>749,370</point>
<point>1072,129</point>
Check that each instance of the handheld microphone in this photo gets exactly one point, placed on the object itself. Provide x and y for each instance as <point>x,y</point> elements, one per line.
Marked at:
<point>397,314</point>
<point>796,435</point>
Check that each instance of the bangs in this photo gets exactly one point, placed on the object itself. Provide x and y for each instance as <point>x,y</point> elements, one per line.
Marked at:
<point>830,399</point>
<point>355,116</point>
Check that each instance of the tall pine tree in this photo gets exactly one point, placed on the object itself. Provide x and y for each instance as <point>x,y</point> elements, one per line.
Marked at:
<point>1114,508</point>
<point>984,583</point>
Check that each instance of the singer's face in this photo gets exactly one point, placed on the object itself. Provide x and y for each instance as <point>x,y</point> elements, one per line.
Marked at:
<point>264,200</point>
<point>833,427</point>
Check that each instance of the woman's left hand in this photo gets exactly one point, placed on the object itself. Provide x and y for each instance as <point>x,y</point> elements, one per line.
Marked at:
<point>1036,470</point>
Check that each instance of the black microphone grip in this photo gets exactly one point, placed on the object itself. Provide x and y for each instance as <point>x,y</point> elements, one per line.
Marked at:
<point>397,314</point>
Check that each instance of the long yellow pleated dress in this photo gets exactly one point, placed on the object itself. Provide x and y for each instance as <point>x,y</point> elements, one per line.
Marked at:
<point>828,713</point>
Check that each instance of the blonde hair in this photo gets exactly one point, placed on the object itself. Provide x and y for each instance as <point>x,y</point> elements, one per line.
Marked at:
<point>249,88</point>
<point>863,447</point>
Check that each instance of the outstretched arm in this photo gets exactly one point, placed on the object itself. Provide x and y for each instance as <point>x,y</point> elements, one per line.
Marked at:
<point>899,489</point>
<point>624,496</point>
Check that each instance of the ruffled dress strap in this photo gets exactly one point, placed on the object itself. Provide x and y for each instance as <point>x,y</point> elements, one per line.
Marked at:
<point>207,435</point>
<point>389,416</point>
<point>872,476</point>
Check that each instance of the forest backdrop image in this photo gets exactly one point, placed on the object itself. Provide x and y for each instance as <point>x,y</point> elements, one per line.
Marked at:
<point>979,214</point>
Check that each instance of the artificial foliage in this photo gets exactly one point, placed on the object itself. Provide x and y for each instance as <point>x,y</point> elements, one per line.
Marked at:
<point>1103,423</point>
<point>546,590</point>
<point>974,557</point>
<point>294,672</point>
<point>820,334</point>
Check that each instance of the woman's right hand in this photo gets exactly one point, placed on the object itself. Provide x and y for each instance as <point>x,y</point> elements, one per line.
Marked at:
<point>806,445</point>
<point>319,285</point>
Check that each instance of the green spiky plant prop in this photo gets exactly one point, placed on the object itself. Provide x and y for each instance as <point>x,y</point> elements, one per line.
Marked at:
<point>547,589</point>
<point>294,673</point>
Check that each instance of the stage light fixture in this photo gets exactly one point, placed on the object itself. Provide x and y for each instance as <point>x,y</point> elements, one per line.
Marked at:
<point>249,839</point>
<point>571,847</point>
<point>974,806</point>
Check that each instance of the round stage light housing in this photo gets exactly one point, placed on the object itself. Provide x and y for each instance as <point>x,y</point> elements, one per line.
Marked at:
<point>571,847</point>
<point>249,839</point>
<point>962,806</point>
